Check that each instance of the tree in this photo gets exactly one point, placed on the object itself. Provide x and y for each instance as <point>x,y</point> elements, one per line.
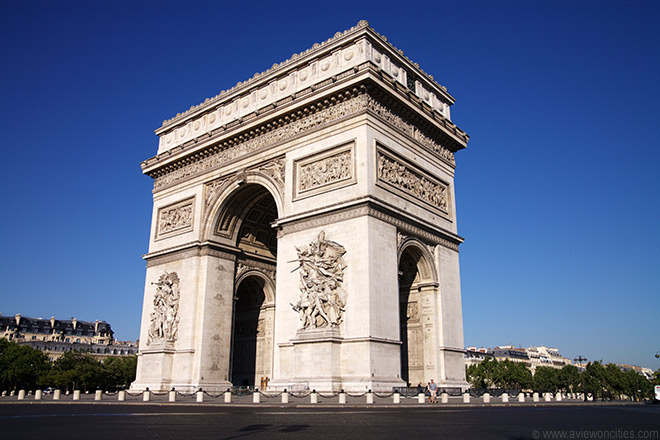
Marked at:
<point>21,366</point>
<point>77,370</point>
<point>569,379</point>
<point>593,379</point>
<point>118,372</point>
<point>546,380</point>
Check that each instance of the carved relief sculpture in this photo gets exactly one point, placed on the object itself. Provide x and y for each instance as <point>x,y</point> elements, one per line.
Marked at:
<point>322,297</point>
<point>411,182</point>
<point>165,317</point>
<point>176,218</point>
<point>328,170</point>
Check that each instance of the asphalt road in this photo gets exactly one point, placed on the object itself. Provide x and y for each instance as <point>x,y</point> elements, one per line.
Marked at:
<point>68,421</point>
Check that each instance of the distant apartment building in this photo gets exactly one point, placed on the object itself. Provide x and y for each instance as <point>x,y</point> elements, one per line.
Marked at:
<point>56,336</point>
<point>532,357</point>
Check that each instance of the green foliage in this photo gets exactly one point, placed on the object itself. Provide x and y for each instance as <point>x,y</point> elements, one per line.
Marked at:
<point>569,379</point>
<point>546,380</point>
<point>492,373</point>
<point>22,367</point>
<point>602,381</point>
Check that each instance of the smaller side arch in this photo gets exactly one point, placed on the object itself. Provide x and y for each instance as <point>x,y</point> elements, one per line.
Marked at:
<point>425,260</point>
<point>268,286</point>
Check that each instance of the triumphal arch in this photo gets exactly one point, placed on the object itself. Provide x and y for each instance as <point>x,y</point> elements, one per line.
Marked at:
<point>304,230</point>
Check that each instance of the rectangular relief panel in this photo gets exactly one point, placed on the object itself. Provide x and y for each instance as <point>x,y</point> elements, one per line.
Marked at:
<point>406,180</point>
<point>175,219</point>
<point>325,171</point>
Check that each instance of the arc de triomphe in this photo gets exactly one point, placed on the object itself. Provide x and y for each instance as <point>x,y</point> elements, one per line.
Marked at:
<point>304,230</point>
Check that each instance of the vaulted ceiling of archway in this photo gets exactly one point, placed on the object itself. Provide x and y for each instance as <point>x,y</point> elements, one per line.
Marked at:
<point>247,218</point>
<point>256,234</point>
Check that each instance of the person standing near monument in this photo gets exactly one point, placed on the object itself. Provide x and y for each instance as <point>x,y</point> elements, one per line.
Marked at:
<point>433,391</point>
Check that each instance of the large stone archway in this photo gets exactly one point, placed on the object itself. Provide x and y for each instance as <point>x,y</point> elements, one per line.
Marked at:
<point>417,300</point>
<point>284,211</point>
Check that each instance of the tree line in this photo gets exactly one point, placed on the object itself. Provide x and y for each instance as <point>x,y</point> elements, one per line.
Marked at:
<point>24,367</point>
<point>600,381</point>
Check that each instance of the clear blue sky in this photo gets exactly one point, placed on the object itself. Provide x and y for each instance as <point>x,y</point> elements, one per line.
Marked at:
<point>558,193</point>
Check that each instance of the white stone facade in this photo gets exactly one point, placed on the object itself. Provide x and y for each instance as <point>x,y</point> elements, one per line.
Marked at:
<point>309,217</point>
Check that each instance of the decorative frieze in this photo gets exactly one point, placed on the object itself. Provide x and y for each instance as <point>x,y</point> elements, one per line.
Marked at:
<point>164,320</point>
<point>325,171</point>
<point>281,133</point>
<point>412,182</point>
<point>411,131</point>
<point>319,115</point>
<point>176,219</point>
<point>322,296</point>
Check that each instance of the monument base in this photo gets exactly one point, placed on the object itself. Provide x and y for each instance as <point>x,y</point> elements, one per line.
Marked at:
<point>323,360</point>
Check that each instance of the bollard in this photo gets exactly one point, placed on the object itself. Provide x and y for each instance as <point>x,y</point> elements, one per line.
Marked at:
<point>535,397</point>
<point>256,397</point>
<point>76,394</point>
<point>444,398</point>
<point>285,396</point>
<point>21,394</point>
<point>171,396</point>
<point>147,395</point>
<point>370,397</point>
<point>505,398</point>
<point>4,393</point>
<point>228,396</point>
<point>11,393</point>
<point>314,398</point>
<point>558,397</point>
<point>342,397</point>
<point>466,397</point>
<point>57,394</point>
<point>98,395</point>
<point>200,396</point>
<point>121,396</point>
<point>547,397</point>
<point>521,397</point>
<point>37,395</point>
<point>420,398</point>
<point>486,398</point>
<point>396,397</point>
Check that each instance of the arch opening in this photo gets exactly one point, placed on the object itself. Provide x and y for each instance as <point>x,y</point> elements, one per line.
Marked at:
<point>245,220</point>
<point>413,271</point>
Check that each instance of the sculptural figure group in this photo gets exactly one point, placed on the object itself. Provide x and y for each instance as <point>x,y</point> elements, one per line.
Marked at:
<point>322,297</point>
<point>165,317</point>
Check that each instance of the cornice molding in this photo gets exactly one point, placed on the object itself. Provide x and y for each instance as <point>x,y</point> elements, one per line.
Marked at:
<point>375,210</point>
<point>194,249</point>
<point>344,104</point>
